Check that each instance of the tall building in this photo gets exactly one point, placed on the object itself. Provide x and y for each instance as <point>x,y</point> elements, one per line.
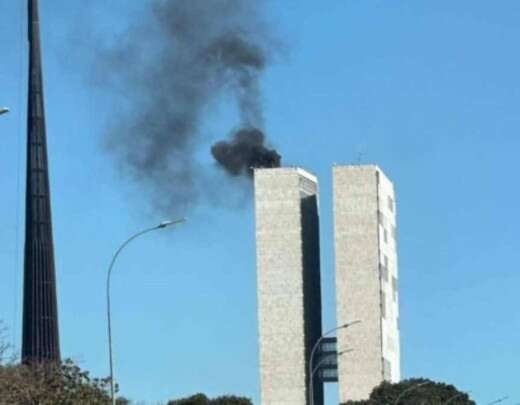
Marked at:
<point>288,277</point>
<point>40,340</point>
<point>366,279</point>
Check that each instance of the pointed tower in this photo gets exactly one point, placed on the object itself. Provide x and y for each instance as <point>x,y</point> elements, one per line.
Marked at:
<point>40,339</point>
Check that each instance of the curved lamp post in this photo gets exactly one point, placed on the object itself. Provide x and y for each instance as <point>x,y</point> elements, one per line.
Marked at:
<point>460,394</point>
<point>412,388</point>
<point>162,225</point>
<point>313,351</point>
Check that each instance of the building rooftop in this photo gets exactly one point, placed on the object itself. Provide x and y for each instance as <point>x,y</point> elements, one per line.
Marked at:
<point>299,170</point>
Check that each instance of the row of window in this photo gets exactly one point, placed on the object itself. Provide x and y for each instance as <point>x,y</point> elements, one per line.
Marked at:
<point>387,370</point>
<point>328,345</point>
<point>390,204</point>
<point>385,276</point>
<point>384,272</point>
<point>385,224</point>
<point>383,297</point>
<point>384,268</point>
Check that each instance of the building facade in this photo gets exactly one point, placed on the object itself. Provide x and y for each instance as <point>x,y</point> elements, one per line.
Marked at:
<point>366,279</point>
<point>288,279</point>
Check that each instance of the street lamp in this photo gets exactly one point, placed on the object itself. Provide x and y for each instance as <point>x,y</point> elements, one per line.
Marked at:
<point>4,110</point>
<point>326,358</point>
<point>162,225</point>
<point>313,351</point>
<point>413,387</point>
<point>497,401</point>
<point>460,394</point>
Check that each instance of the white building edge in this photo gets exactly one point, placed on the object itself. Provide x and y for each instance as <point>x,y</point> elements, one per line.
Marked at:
<point>366,279</point>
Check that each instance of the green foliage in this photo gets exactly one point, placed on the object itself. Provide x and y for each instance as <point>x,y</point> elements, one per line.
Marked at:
<point>231,400</point>
<point>430,393</point>
<point>201,399</point>
<point>50,384</point>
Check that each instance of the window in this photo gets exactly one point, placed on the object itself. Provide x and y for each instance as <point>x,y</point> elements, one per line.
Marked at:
<point>387,370</point>
<point>386,261</point>
<point>381,218</point>
<point>390,204</point>
<point>383,304</point>
<point>329,375</point>
<point>394,288</point>
<point>328,345</point>
<point>384,272</point>
<point>390,344</point>
<point>385,235</point>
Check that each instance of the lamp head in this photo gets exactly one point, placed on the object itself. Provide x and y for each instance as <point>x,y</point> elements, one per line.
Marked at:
<point>346,325</point>
<point>165,224</point>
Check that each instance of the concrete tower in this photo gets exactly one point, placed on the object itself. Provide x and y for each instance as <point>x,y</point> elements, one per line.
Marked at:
<point>366,279</point>
<point>40,339</point>
<point>288,277</point>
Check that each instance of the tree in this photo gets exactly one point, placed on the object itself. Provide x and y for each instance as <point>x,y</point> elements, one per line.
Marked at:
<point>201,399</point>
<point>431,393</point>
<point>198,399</point>
<point>231,400</point>
<point>51,384</point>
<point>5,348</point>
<point>48,383</point>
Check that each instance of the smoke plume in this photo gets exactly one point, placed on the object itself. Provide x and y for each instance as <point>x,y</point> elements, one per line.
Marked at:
<point>245,151</point>
<point>170,69</point>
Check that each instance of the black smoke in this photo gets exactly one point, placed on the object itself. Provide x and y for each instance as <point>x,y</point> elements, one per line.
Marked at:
<point>170,69</point>
<point>245,151</point>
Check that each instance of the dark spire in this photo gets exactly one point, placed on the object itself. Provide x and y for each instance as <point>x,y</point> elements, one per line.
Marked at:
<point>40,339</point>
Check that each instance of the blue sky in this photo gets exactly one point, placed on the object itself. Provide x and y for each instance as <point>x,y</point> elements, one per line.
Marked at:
<point>429,90</point>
